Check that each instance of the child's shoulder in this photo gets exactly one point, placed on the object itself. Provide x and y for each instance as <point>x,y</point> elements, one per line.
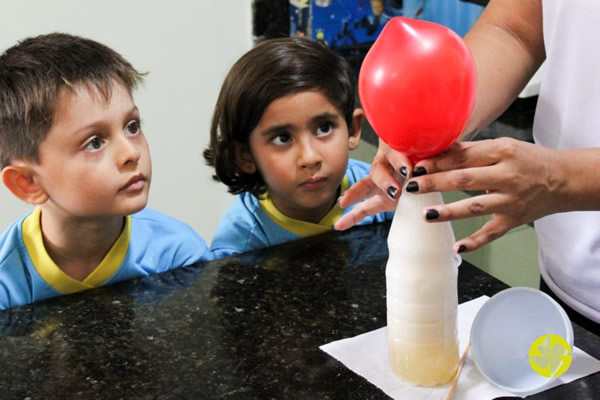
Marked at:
<point>160,223</point>
<point>152,226</point>
<point>241,214</point>
<point>357,164</point>
<point>357,170</point>
<point>246,201</point>
<point>242,228</point>
<point>14,271</point>
<point>150,216</point>
<point>11,238</point>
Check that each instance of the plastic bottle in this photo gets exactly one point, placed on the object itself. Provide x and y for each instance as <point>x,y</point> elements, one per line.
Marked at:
<point>422,301</point>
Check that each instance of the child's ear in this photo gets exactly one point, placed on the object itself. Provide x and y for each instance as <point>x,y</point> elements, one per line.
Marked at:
<point>356,128</point>
<point>19,179</point>
<point>243,158</point>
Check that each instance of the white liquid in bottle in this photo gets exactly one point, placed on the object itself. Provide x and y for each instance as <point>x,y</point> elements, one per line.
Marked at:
<point>421,279</point>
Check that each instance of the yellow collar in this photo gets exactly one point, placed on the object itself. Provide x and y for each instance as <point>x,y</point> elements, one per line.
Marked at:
<point>299,227</point>
<point>53,275</point>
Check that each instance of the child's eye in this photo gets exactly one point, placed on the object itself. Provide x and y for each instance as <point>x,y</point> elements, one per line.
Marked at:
<point>324,129</point>
<point>133,128</point>
<point>281,139</point>
<point>94,144</point>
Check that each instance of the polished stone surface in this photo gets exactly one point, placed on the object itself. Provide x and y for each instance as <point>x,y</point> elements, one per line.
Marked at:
<point>245,327</point>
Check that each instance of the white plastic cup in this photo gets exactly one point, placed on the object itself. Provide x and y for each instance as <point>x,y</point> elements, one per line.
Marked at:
<point>505,328</point>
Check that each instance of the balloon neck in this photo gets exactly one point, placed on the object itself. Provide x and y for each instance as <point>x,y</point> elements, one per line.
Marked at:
<point>414,159</point>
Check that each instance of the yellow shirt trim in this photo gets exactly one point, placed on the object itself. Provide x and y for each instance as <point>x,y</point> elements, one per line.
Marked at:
<point>299,227</point>
<point>53,275</point>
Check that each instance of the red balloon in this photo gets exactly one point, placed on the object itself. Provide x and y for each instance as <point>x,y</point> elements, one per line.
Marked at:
<point>417,86</point>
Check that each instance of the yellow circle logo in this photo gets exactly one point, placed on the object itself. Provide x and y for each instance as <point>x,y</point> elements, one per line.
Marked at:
<point>550,355</point>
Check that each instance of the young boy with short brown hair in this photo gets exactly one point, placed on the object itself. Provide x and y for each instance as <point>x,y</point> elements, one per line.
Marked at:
<point>71,143</point>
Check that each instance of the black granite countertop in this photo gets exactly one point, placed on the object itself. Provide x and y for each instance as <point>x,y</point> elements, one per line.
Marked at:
<point>244,327</point>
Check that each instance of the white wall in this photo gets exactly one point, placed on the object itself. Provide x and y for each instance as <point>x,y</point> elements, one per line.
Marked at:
<point>187,47</point>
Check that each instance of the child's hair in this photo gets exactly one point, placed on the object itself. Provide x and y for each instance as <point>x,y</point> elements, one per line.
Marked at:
<point>33,74</point>
<point>273,69</point>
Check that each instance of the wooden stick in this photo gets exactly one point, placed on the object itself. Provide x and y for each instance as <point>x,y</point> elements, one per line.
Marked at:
<point>458,370</point>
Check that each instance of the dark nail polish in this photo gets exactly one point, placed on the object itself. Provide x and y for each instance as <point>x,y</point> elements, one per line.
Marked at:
<point>419,171</point>
<point>391,191</point>
<point>432,214</point>
<point>404,171</point>
<point>412,187</point>
<point>462,248</point>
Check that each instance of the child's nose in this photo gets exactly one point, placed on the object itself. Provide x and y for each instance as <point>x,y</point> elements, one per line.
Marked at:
<point>310,156</point>
<point>128,152</point>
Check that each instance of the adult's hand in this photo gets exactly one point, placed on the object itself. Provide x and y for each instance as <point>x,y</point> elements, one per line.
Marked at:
<point>380,190</point>
<point>521,182</point>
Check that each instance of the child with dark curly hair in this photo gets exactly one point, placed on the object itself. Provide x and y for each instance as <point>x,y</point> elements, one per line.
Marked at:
<point>281,133</point>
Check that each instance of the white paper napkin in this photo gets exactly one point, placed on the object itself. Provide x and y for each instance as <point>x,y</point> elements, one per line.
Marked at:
<point>367,355</point>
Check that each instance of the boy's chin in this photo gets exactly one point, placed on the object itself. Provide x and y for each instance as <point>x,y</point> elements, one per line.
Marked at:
<point>133,207</point>
<point>139,208</point>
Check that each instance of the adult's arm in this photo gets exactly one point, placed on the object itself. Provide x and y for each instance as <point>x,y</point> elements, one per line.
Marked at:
<point>507,46</point>
<point>522,181</point>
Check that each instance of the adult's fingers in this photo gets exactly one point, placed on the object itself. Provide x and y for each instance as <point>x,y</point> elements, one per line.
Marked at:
<point>362,189</point>
<point>464,155</point>
<point>371,206</point>
<point>385,174</point>
<point>492,230</point>
<point>484,204</point>
<point>483,178</point>
<point>399,163</point>
<point>386,179</point>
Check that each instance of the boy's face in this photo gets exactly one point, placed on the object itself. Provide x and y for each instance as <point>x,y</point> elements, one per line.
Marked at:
<point>95,160</point>
<point>300,146</point>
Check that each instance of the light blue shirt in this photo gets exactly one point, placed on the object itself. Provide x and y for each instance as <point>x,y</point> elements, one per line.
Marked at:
<point>151,242</point>
<point>251,224</point>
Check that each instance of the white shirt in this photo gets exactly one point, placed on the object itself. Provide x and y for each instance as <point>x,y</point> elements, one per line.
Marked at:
<point>568,117</point>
